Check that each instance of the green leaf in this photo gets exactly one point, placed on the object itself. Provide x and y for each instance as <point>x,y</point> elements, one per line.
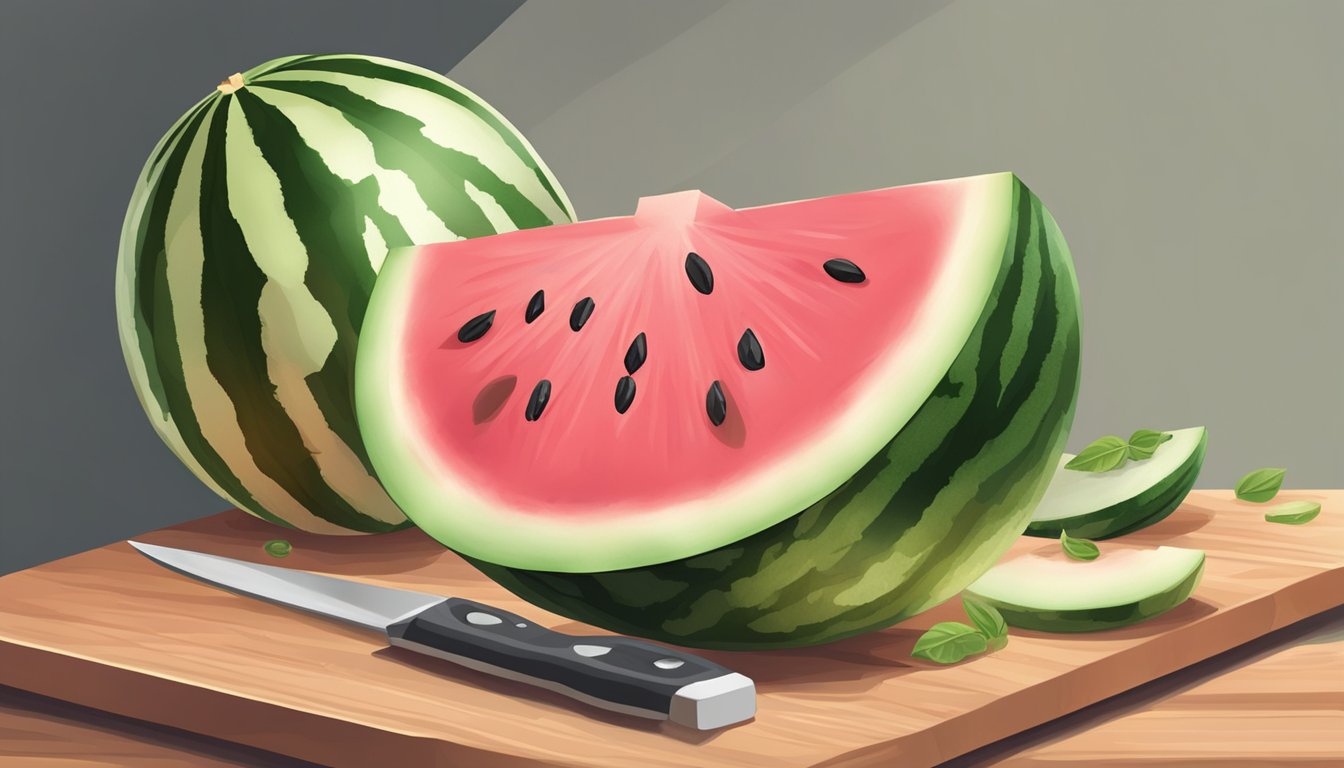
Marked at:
<point>1103,455</point>
<point>277,548</point>
<point>948,642</point>
<point>988,620</point>
<point>1261,485</point>
<point>1144,442</point>
<point>1293,512</point>
<point>1078,549</point>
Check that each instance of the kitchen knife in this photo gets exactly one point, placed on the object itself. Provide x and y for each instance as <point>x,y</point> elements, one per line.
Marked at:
<point>616,673</point>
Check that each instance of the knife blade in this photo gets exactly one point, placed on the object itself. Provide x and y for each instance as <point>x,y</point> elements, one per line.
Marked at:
<point>619,674</point>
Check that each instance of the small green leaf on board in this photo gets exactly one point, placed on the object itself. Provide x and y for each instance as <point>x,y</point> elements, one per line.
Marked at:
<point>1144,443</point>
<point>987,620</point>
<point>948,642</point>
<point>277,548</point>
<point>1293,512</point>
<point>1103,455</point>
<point>1261,485</point>
<point>1078,549</point>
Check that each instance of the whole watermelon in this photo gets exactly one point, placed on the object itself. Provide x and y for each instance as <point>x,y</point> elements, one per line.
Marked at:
<point>250,249</point>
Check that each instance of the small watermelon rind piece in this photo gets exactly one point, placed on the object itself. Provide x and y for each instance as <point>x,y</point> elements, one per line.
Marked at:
<point>1104,505</point>
<point>1122,587</point>
<point>895,516</point>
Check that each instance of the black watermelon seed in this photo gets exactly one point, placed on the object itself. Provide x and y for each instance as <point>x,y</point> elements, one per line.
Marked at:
<point>634,356</point>
<point>580,314</point>
<point>844,270</point>
<point>749,352</point>
<point>476,327</point>
<point>702,277</point>
<point>541,394</point>
<point>715,405</point>
<point>625,394</point>
<point>535,306</point>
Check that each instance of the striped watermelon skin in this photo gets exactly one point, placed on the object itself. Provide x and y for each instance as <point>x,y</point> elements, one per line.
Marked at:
<point>250,248</point>
<point>926,517</point>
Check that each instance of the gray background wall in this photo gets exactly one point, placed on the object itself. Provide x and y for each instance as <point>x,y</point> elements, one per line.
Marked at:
<point>1193,153</point>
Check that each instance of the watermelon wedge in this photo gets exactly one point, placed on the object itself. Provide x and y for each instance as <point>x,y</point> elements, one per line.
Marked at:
<point>731,428</point>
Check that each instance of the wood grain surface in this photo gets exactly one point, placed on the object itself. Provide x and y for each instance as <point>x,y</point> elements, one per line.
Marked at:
<point>111,630</point>
<point>1283,707</point>
<point>37,732</point>
<point>1277,702</point>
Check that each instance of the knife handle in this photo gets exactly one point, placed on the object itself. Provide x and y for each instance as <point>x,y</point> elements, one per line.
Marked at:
<point>616,673</point>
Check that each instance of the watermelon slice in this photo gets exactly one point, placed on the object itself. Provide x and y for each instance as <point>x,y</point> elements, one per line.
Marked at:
<point>742,428</point>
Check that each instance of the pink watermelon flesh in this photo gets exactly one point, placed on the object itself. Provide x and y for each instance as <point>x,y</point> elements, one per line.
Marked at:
<point>665,445</point>
<point>526,444</point>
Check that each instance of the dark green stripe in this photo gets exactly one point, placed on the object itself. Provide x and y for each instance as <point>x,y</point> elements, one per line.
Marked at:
<point>328,213</point>
<point>157,331</point>
<point>236,358</point>
<point>439,174</point>
<point>278,65</point>
<point>189,119</point>
<point>441,86</point>
<point>1162,504</point>
<point>147,251</point>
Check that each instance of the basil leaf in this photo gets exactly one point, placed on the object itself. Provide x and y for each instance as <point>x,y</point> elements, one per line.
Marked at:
<point>1144,442</point>
<point>948,642</point>
<point>1078,549</point>
<point>988,620</point>
<point>277,548</point>
<point>1261,485</point>
<point>1103,455</point>
<point>1293,512</point>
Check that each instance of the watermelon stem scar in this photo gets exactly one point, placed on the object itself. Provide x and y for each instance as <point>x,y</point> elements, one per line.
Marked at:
<point>231,84</point>
<point>663,480</point>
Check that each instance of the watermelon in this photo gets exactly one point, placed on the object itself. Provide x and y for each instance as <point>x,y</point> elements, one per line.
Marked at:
<point>250,248</point>
<point>738,429</point>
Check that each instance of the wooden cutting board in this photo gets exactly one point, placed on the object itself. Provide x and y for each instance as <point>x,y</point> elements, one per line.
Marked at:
<point>109,629</point>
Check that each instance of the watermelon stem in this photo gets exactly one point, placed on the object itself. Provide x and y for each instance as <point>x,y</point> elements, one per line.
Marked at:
<point>233,83</point>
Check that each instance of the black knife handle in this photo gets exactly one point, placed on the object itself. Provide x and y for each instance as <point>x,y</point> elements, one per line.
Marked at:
<point>616,673</point>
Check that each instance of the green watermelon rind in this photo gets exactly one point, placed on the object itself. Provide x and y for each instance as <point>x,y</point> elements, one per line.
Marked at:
<point>924,518</point>
<point>206,282</point>
<point>1140,511</point>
